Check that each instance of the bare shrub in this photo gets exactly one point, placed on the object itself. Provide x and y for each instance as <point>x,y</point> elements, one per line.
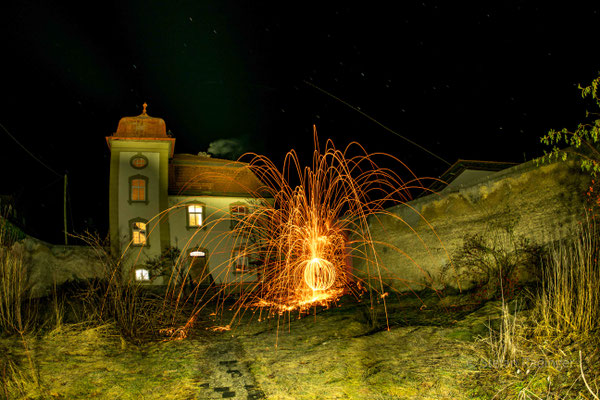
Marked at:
<point>491,262</point>
<point>114,298</point>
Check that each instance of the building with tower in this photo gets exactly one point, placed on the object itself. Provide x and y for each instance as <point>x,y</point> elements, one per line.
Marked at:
<point>160,200</point>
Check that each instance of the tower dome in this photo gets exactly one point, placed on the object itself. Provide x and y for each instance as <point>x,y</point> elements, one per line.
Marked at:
<point>142,126</point>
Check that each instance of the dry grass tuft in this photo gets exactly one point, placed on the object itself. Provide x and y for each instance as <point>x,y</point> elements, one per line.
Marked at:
<point>568,303</point>
<point>503,342</point>
<point>537,356</point>
<point>16,314</point>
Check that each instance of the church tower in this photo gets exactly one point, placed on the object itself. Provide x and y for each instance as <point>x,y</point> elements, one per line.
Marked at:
<point>139,171</point>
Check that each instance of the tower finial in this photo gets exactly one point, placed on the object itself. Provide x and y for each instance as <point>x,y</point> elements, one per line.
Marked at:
<point>144,110</point>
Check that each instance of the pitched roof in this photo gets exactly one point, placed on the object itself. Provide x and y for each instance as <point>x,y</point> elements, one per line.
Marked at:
<point>201,175</point>
<point>461,166</point>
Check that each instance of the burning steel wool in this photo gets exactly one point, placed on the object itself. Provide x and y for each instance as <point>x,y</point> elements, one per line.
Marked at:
<point>305,232</point>
<point>304,228</point>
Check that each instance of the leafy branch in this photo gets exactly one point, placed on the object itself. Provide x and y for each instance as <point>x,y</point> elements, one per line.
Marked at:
<point>583,141</point>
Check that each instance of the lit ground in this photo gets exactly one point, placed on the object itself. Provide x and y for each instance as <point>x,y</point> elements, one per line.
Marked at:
<point>428,353</point>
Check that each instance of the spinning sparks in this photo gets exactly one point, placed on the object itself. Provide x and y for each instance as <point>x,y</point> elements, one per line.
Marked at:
<point>293,241</point>
<point>310,222</point>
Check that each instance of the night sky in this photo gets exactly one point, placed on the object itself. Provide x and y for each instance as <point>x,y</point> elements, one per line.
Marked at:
<point>476,81</point>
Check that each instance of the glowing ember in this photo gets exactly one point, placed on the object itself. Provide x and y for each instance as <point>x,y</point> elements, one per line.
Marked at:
<point>316,298</point>
<point>220,328</point>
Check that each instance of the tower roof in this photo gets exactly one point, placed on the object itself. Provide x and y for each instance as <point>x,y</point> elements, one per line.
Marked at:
<point>142,126</point>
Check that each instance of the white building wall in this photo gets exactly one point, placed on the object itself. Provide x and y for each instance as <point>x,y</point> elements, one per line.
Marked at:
<point>149,211</point>
<point>214,237</point>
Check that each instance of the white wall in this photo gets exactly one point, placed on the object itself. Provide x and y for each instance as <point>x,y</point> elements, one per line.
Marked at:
<point>214,236</point>
<point>150,211</point>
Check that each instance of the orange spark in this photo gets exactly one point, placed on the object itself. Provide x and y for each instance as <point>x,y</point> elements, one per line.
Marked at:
<point>301,231</point>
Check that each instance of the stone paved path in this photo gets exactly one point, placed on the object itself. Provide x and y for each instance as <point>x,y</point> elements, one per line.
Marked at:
<point>231,379</point>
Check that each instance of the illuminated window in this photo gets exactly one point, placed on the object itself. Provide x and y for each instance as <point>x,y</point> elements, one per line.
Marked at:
<point>138,186</point>
<point>195,215</point>
<point>138,233</point>
<point>239,261</point>
<point>138,190</point>
<point>139,161</point>
<point>142,274</point>
<point>237,212</point>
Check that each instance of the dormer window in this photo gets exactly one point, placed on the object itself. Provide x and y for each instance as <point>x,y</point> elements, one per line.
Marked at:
<point>138,189</point>
<point>139,161</point>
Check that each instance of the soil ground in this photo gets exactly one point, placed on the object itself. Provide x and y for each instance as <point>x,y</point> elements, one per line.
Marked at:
<point>430,351</point>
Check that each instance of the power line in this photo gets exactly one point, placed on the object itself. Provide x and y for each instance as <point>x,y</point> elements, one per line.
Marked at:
<point>28,152</point>
<point>377,122</point>
<point>60,178</point>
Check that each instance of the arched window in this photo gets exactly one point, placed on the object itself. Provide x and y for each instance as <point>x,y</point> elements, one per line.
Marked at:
<point>139,232</point>
<point>198,269</point>
<point>138,189</point>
